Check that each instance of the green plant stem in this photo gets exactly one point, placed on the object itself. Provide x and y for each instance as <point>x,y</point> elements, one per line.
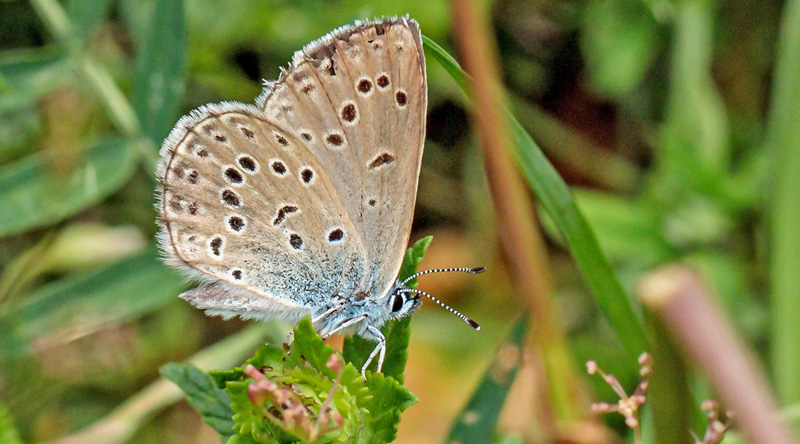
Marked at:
<point>119,109</point>
<point>121,424</point>
<point>669,395</point>
<point>24,268</point>
<point>98,78</point>
<point>784,139</point>
<point>696,113</point>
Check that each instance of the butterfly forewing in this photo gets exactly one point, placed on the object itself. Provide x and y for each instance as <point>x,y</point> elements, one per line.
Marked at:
<point>245,203</point>
<point>357,99</point>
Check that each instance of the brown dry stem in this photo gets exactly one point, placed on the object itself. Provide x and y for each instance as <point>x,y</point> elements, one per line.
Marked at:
<point>677,295</point>
<point>516,221</point>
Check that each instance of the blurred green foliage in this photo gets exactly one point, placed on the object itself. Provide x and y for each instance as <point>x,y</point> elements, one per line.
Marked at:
<point>477,422</point>
<point>674,122</point>
<point>8,432</point>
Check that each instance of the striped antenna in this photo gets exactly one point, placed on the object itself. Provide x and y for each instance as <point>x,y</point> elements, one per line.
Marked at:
<point>469,321</point>
<point>475,270</point>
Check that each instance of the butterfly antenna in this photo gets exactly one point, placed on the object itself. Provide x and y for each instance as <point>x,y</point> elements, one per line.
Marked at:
<point>475,270</point>
<point>469,321</point>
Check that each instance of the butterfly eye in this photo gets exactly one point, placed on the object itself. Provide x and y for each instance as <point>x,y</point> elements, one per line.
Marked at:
<point>397,304</point>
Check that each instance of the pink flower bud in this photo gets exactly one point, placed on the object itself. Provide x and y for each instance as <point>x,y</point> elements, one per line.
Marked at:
<point>253,372</point>
<point>335,363</point>
<point>255,395</point>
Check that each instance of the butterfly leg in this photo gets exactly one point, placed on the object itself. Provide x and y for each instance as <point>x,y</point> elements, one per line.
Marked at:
<point>346,324</point>
<point>330,311</point>
<point>314,322</point>
<point>289,339</point>
<point>380,348</point>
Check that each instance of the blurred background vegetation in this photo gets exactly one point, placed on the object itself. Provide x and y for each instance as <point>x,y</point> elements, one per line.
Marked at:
<point>676,125</point>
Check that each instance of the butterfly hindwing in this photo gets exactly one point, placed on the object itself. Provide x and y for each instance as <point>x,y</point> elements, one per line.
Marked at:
<point>244,203</point>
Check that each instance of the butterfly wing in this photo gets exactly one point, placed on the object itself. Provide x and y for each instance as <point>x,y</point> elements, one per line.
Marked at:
<point>357,98</point>
<point>246,208</point>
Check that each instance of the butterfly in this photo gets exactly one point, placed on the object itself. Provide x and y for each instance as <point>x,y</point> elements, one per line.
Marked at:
<point>302,204</point>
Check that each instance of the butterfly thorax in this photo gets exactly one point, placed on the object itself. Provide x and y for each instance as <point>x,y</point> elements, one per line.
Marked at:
<point>360,311</point>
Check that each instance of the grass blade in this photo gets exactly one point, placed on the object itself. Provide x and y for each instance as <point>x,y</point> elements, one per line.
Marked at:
<point>113,294</point>
<point>670,394</point>
<point>94,75</point>
<point>86,15</point>
<point>555,196</point>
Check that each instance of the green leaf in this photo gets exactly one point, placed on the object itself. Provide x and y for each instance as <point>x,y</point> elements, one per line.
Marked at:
<point>8,432</point>
<point>203,394</point>
<point>627,230</point>
<point>161,70</point>
<point>20,133</point>
<point>29,74</point>
<point>555,196</point>
<point>241,439</point>
<point>619,41</point>
<point>105,296</point>
<point>387,401</point>
<point>308,347</point>
<point>694,137</point>
<point>357,349</point>
<point>86,15</point>
<point>370,409</point>
<point>478,419</point>
<point>34,194</point>
<point>412,259</point>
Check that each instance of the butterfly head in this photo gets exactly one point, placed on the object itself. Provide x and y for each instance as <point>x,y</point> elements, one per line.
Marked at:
<point>403,300</point>
<point>400,303</point>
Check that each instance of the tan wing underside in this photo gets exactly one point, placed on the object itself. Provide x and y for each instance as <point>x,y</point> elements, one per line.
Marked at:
<point>376,168</point>
<point>258,251</point>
